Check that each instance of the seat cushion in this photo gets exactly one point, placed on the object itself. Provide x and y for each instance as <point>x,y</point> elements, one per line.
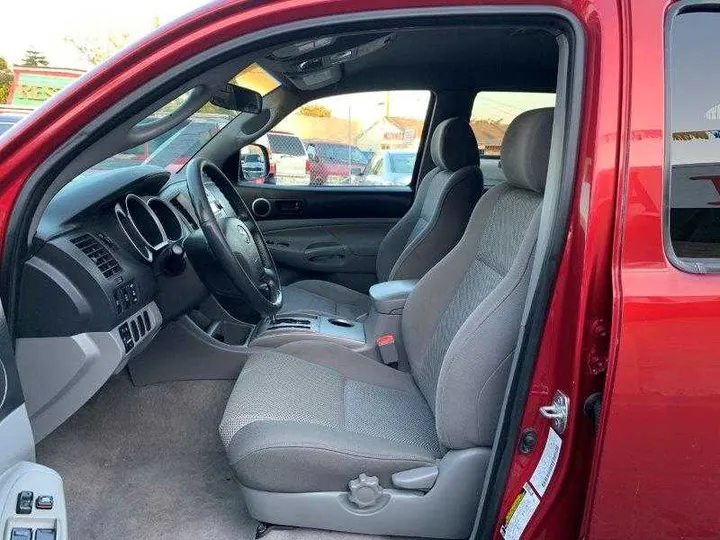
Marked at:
<point>311,416</point>
<point>325,298</point>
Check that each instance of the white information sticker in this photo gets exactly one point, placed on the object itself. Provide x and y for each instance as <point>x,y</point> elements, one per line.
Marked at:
<point>520,513</point>
<point>540,479</point>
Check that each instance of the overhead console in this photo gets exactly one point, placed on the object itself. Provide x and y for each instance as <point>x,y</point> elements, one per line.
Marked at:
<point>313,64</point>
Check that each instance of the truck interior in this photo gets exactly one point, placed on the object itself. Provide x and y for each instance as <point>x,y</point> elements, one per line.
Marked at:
<point>207,358</point>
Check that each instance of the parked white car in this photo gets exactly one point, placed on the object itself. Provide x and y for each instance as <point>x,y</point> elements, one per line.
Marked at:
<point>289,162</point>
<point>390,168</point>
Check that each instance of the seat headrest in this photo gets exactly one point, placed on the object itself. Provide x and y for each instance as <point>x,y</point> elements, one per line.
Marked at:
<point>525,150</point>
<point>453,145</point>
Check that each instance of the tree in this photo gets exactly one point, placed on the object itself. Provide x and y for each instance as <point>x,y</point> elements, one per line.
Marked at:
<point>34,58</point>
<point>6,78</point>
<point>95,50</point>
<point>320,111</point>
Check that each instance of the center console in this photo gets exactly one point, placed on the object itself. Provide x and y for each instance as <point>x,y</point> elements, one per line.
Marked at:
<point>274,332</point>
<point>388,300</point>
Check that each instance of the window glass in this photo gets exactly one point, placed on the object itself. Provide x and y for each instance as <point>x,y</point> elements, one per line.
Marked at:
<point>172,149</point>
<point>332,141</point>
<point>286,145</point>
<point>492,112</point>
<point>402,162</point>
<point>5,126</point>
<point>694,117</point>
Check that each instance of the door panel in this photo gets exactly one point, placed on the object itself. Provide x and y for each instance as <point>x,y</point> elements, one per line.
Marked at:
<point>327,233</point>
<point>16,440</point>
<point>303,202</point>
<point>18,472</point>
<point>339,250</point>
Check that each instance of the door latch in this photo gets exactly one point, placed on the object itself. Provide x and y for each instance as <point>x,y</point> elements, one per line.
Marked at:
<point>557,413</point>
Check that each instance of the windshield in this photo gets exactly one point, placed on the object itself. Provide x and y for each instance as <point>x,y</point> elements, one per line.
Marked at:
<point>172,149</point>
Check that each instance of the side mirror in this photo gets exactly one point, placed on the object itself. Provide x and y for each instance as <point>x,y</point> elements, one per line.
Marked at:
<point>237,98</point>
<point>254,165</point>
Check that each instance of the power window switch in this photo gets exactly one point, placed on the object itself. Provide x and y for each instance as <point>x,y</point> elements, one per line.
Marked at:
<point>44,502</point>
<point>45,534</point>
<point>24,502</point>
<point>21,534</point>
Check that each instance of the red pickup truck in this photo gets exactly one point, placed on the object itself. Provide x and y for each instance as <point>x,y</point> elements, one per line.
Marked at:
<point>186,356</point>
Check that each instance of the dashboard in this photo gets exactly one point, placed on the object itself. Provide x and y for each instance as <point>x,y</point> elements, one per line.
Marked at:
<point>97,252</point>
<point>97,288</point>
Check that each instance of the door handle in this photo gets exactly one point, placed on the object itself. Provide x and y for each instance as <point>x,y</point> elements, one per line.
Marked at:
<point>332,251</point>
<point>288,206</point>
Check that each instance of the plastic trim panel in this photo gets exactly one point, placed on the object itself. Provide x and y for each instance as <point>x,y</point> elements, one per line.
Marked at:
<point>59,374</point>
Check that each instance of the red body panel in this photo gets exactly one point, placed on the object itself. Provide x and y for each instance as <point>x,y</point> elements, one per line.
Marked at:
<point>657,456</point>
<point>658,462</point>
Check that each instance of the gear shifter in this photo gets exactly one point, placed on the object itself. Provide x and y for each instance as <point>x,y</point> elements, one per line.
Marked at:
<point>172,260</point>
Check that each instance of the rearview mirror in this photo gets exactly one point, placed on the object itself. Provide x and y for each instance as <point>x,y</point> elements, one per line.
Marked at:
<point>237,98</point>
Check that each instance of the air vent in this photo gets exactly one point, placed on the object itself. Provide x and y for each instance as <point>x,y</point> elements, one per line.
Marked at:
<point>184,213</point>
<point>98,254</point>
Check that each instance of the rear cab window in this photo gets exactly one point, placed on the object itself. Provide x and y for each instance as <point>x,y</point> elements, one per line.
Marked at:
<point>692,196</point>
<point>368,139</point>
<point>491,114</point>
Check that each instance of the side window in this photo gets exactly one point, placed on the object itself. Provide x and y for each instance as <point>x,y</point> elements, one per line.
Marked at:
<point>352,140</point>
<point>694,137</point>
<point>491,114</point>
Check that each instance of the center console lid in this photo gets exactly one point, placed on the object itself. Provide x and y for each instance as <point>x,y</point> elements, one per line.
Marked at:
<point>389,297</point>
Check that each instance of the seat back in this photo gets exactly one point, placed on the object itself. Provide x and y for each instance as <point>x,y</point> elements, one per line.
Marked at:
<point>461,323</point>
<point>441,209</point>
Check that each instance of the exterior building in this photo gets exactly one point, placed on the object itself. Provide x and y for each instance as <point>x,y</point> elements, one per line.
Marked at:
<point>32,86</point>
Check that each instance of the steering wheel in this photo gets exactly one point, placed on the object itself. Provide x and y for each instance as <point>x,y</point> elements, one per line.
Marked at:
<point>228,250</point>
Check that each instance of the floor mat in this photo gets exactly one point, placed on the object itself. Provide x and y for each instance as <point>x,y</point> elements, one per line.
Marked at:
<point>148,463</point>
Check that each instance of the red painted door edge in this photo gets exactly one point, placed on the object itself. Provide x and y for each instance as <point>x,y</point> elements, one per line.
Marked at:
<point>620,215</point>
<point>576,338</point>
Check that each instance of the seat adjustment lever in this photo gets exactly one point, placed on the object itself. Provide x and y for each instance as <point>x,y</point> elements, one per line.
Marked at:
<point>419,479</point>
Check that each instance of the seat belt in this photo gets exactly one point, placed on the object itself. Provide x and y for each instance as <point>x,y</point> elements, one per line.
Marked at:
<point>387,348</point>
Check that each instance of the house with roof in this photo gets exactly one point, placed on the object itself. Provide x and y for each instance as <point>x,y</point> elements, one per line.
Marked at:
<point>391,132</point>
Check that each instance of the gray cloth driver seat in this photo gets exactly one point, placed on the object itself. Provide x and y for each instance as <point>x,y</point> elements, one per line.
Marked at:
<point>307,421</point>
<point>424,235</point>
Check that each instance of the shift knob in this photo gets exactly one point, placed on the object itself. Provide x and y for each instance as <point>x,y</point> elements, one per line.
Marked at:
<point>174,260</point>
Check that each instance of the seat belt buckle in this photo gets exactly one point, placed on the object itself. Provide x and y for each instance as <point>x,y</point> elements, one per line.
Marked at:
<point>388,350</point>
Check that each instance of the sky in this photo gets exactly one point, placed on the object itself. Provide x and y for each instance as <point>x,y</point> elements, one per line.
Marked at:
<point>47,25</point>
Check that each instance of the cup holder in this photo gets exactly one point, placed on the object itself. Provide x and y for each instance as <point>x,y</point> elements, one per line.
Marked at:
<point>341,323</point>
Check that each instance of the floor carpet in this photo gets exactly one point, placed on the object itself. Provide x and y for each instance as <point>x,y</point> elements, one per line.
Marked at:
<point>148,463</point>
